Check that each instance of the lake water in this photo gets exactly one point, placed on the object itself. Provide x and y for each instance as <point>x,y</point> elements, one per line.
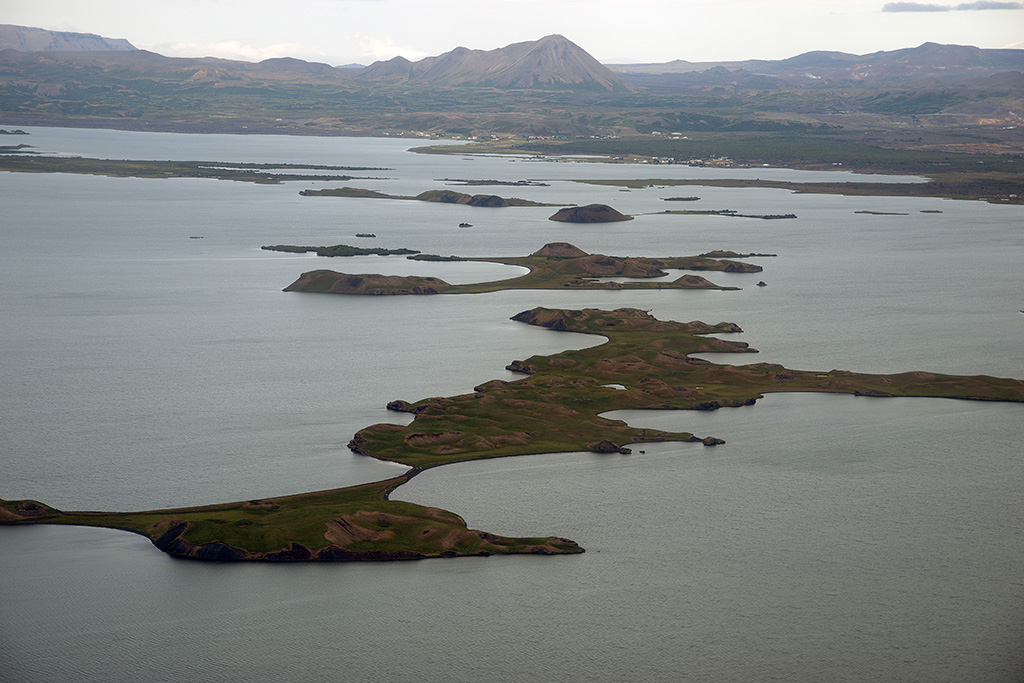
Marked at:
<point>831,538</point>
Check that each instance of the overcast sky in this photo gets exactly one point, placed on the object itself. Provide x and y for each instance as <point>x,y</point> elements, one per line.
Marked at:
<point>362,31</point>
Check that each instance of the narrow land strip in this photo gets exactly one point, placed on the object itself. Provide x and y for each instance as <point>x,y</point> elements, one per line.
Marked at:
<point>645,364</point>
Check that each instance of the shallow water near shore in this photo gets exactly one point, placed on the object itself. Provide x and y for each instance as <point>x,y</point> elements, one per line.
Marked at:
<point>831,538</point>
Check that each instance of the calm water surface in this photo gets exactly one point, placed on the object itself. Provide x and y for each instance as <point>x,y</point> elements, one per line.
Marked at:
<point>832,538</point>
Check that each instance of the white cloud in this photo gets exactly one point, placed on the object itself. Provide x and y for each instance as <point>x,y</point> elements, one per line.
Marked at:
<point>989,4</point>
<point>233,49</point>
<point>913,7</point>
<point>370,49</point>
<point>966,6</point>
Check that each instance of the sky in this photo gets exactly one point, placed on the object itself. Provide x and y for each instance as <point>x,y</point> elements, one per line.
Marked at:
<point>341,32</point>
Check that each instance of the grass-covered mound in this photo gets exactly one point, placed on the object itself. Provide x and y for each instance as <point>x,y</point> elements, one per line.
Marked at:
<point>591,213</point>
<point>330,282</point>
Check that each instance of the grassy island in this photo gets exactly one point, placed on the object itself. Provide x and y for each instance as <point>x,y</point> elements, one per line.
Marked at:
<point>340,250</point>
<point>437,196</point>
<point>729,213</point>
<point>510,183</point>
<point>645,364</point>
<point>556,265</point>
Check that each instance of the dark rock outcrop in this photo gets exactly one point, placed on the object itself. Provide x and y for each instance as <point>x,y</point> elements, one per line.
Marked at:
<point>487,200</point>
<point>737,267</point>
<point>333,553</point>
<point>451,197</point>
<point>520,366</point>
<point>173,543</point>
<point>607,446</point>
<point>548,319</point>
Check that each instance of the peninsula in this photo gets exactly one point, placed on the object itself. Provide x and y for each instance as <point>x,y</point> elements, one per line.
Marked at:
<point>557,406</point>
<point>21,161</point>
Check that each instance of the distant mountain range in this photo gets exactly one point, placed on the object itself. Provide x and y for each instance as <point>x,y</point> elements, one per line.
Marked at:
<point>930,61</point>
<point>551,63</point>
<point>545,87</point>
<point>556,63</point>
<point>28,39</point>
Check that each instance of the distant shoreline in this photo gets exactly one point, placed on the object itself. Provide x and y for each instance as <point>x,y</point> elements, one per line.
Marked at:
<point>996,187</point>
<point>227,127</point>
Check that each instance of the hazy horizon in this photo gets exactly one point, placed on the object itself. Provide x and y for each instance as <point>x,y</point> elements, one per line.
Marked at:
<point>341,32</point>
<point>354,64</point>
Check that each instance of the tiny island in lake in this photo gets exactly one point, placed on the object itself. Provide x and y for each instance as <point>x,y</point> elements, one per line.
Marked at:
<point>557,406</point>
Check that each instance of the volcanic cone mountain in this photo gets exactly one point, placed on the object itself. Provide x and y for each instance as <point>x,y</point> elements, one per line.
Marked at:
<point>553,62</point>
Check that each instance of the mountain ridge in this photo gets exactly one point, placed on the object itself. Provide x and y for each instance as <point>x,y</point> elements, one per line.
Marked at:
<point>928,60</point>
<point>31,39</point>
<point>555,62</point>
<point>550,62</point>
